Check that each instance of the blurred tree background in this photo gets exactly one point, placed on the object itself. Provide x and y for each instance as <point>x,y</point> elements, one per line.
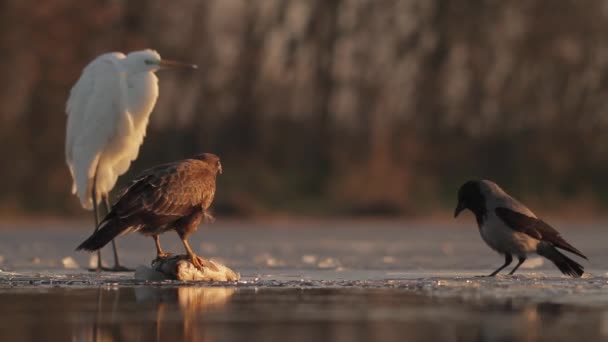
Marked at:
<point>326,107</point>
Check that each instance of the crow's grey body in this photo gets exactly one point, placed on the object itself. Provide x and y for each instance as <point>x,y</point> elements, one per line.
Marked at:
<point>495,232</point>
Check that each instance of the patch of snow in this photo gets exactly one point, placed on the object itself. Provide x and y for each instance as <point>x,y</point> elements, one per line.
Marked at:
<point>309,259</point>
<point>388,259</point>
<point>328,263</point>
<point>532,263</point>
<point>269,260</point>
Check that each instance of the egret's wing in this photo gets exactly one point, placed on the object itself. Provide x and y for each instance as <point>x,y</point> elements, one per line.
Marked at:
<point>141,100</point>
<point>96,112</point>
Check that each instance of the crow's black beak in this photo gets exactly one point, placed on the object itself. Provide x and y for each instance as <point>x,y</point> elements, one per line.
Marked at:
<point>459,209</point>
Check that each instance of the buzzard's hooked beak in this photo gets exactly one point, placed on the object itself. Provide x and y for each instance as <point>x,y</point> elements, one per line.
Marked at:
<point>459,209</point>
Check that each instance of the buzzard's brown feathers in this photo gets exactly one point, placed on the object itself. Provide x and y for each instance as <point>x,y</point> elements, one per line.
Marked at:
<point>162,198</point>
<point>169,190</point>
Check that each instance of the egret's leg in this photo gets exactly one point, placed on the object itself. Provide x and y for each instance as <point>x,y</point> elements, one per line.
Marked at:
<point>94,195</point>
<point>106,202</point>
<point>508,261</point>
<point>117,267</point>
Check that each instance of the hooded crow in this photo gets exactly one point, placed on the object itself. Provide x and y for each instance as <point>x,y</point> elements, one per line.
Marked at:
<point>510,228</point>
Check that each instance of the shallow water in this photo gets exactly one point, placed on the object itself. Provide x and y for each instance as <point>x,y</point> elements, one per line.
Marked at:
<point>149,313</point>
<point>315,281</point>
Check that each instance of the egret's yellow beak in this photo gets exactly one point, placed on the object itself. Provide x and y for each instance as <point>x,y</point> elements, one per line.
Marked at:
<point>165,63</point>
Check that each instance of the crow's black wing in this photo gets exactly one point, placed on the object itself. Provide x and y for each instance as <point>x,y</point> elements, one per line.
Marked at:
<point>536,228</point>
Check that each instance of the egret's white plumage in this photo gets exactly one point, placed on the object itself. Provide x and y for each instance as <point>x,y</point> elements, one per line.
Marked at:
<point>108,112</point>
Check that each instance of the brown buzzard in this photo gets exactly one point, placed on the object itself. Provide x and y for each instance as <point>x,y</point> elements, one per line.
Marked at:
<point>172,196</point>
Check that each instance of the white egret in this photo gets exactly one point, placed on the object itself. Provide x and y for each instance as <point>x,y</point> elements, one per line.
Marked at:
<point>108,111</point>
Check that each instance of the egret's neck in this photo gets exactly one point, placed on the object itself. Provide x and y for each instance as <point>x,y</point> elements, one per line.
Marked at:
<point>142,92</point>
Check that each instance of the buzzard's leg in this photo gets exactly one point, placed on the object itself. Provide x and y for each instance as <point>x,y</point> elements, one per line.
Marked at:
<point>508,261</point>
<point>117,267</point>
<point>196,260</point>
<point>184,228</point>
<point>521,261</point>
<point>94,197</point>
<point>159,251</point>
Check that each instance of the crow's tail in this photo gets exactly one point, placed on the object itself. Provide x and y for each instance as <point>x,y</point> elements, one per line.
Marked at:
<point>565,264</point>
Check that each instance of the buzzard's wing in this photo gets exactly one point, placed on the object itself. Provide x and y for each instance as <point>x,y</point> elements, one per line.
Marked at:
<point>536,228</point>
<point>170,190</point>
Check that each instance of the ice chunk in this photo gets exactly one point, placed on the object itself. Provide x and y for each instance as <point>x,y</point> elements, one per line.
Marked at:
<point>328,263</point>
<point>388,259</point>
<point>269,260</point>
<point>309,259</point>
<point>146,273</point>
<point>70,263</point>
<point>532,263</point>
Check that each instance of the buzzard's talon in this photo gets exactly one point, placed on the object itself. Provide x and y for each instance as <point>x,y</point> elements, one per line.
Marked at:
<point>209,264</point>
<point>202,263</point>
<point>197,262</point>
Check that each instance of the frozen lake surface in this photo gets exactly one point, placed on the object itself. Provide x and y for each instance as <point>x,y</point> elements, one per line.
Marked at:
<point>339,281</point>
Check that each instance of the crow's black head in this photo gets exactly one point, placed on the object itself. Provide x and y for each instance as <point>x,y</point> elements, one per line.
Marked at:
<point>470,197</point>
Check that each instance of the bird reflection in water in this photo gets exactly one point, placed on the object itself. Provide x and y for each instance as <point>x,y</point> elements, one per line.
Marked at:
<point>160,313</point>
<point>155,313</point>
<point>511,321</point>
<point>193,303</point>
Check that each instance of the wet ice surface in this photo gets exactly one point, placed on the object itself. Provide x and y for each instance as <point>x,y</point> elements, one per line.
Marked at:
<point>309,281</point>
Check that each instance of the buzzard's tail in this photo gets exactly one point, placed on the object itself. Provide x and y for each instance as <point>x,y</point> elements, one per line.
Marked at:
<point>108,229</point>
<point>565,264</point>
